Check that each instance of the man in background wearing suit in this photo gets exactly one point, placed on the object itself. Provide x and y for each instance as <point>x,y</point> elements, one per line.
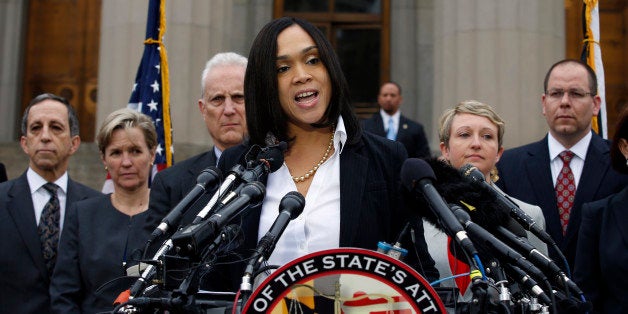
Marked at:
<point>32,206</point>
<point>571,158</point>
<point>390,123</point>
<point>222,107</point>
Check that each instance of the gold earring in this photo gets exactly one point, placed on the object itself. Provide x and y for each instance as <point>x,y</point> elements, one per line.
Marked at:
<point>106,168</point>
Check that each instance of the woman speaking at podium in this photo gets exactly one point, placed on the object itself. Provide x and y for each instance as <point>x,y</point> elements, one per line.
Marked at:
<point>296,92</point>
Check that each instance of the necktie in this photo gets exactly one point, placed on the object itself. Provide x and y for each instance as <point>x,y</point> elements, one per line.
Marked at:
<point>390,133</point>
<point>49,227</point>
<point>565,189</point>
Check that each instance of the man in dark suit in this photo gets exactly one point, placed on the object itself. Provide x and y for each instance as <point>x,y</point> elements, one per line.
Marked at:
<point>390,123</point>
<point>222,108</point>
<point>531,172</point>
<point>31,217</point>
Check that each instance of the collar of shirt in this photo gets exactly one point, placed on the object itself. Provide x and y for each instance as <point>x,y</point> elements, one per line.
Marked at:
<point>576,164</point>
<point>340,136</point>
<point>318,227</point>
<point>580,149</point>
<point>386,117</point>
<point>40,196</point>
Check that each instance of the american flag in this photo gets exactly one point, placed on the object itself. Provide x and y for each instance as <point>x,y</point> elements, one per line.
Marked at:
<point>151,90</point>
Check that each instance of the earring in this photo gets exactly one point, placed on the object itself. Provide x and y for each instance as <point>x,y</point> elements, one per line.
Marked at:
<point>106,168</point>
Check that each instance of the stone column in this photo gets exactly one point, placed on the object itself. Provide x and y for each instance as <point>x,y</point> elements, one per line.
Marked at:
<point>196,30</point>
<point>11,43</point>
<point>497,52</point>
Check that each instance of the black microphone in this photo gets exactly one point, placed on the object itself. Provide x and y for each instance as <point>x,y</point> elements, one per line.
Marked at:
<point>416,173</point>
<point>191,239</point>
<point>290,207</point>
<point>234,174</point>
<point>207,177</point>
<point>486,239</point>
<point>472,173</point>
<point>539,259</point>
<point>260,161</point>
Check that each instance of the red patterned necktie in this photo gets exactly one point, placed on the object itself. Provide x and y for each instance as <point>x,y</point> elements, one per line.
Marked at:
<point>49,227</point>
<point>565,189</point>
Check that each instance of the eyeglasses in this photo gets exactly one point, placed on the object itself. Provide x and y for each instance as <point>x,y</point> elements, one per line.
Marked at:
<point>574,94</point>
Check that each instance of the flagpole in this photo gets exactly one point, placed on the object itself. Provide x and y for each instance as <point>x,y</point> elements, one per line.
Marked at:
<point>592,55</point>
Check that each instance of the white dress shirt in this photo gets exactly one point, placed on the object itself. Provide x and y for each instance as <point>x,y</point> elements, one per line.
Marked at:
<point>41,197</point>
<point>577,162</point>
<point>318,227</point>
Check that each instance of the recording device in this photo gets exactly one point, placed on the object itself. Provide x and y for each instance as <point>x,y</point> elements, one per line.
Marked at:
<point>259,162</point>
<point>191,239</point>
<point>472,173</point>
<point>207,177</point>
<point>416,174</point>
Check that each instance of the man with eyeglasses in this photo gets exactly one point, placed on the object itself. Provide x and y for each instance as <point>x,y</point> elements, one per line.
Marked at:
<point>222,108</point>
<point>571,165</point>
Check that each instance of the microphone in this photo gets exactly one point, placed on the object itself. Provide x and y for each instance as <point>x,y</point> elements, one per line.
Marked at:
<point>260,161</point>
<point>208,176</point>
<point>472,174</point>
<point>538,259</point>
<point>191,239</point>
<point>486,239</point>
<point>235,173</point>
<point>290,207</point>
<point>416,173</point>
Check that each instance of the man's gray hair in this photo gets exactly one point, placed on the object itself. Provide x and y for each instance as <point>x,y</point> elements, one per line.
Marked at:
<point>218,60</point>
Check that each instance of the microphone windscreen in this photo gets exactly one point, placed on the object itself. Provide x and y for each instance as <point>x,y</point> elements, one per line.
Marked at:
<point>482,206</point>
<point>413,170</point>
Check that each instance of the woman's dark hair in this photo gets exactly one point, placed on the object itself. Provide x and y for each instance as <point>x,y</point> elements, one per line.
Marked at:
<point>263,110</point>
<point>618,160</point>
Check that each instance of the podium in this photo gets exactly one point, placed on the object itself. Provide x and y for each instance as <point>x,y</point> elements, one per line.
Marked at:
<point>344,280</point>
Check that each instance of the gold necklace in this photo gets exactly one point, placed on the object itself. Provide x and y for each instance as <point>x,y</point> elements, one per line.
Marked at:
<point>311,172</point>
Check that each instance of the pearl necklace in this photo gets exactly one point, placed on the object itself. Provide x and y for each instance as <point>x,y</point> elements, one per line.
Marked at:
<point>311,172</point>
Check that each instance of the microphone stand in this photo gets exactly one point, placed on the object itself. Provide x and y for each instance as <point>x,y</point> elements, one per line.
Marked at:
<point>184,296</point>
<point>500,281</point>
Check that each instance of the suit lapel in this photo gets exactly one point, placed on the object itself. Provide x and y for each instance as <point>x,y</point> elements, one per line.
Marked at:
<point>540,178</point>
<point>20,208</point>
<point>353,176</point>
